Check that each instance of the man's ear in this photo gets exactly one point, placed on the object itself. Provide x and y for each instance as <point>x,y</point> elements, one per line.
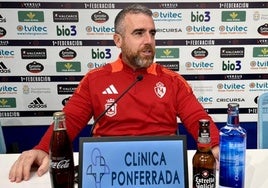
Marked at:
<point>117,40</point>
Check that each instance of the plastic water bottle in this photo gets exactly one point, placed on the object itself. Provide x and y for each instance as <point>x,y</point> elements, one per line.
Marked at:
<point>232,150</point>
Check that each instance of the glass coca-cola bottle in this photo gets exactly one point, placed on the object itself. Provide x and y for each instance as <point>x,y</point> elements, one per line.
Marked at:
<point>61,167</point>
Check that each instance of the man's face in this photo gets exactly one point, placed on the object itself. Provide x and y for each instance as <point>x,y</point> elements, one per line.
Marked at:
<point>137,43</point>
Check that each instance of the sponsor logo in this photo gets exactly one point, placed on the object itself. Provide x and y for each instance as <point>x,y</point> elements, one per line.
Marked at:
<point>33,53</point>
<point>263,29</point>
<point>65,16</point>
<point>202,89</point>
<point>231,66</point>
<point>168,5</point>
<point>172,65</point>
<point>199,53</point>
<point>167,53</point>
<point>102,30</point>
<point>31,16</point>
<point>168,30</point>
<point>3,68</point>
<point>101,54</point>
<point>67,54</point>
<point>35,67</point>
<point>66,31</point>
<point>231,87</point>
<point>34,90</point>
<point>259,65</point>
<point>200,17</point>
<point>167,16</point>
<point>73,66</point>
<point>233,77</point>
<point>200,29</point>
<point>92,65</point>
<point>3,32</point>
<point>258,86</point>
<point>35,79</point>
<point>31,30</point>
<point>2,19</point>
<point>64,89</point>
<point>260,52</point>
<point>99,5</point>
<point>6,53</point>
<point>64,101</point>
<point>232,52</point>
<point>37,103</point>
<point>233,16</point>
<point>203,65</point>
<point>100,17</point>
<point>203,42</point>
<point>4,89</point>
<point>67,43</point>
<point>260,16</point>
<point>30,5</point>
<point>8,103</point>
<point>10,114</point>
<point>205,99</point>
<point>228,100</point>
<point>110,90</point>
<point>233,29</point>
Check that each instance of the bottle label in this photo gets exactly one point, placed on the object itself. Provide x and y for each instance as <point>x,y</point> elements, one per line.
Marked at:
<point>63,164</point>
<point>204,179</point>
<point>232,163</point>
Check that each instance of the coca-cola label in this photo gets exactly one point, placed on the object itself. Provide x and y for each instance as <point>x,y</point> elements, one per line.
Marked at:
<point>62,164</point>
<point>205,179</point>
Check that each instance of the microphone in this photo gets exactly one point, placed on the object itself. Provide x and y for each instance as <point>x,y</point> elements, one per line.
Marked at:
<point>138,78</point>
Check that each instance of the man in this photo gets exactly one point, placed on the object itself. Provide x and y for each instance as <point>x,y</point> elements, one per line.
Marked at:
<point>150,107</point>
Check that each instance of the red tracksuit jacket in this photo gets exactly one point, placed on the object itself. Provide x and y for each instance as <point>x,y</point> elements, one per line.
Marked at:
<point>150,107</point>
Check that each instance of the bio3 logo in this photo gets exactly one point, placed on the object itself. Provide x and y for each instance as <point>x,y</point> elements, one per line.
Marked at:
<point>101,54</point>
<point>199,17</point>
<point>231,66</point>
<point>66,31</point>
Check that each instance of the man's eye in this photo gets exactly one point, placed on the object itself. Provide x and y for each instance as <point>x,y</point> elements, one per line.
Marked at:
<point>138,33</point>
<point>153,33</point>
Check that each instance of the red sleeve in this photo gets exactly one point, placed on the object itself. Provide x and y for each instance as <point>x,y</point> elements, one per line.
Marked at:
<point>190,111</point>
<point>78,111</point>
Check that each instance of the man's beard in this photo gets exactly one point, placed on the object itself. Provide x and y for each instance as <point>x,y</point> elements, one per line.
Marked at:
<point>136,60</point>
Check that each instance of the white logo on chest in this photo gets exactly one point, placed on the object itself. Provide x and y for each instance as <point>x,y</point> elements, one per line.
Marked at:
<point>160,89</point>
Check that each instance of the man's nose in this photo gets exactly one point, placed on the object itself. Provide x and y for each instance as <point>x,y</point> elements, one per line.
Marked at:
<point>148,38</point>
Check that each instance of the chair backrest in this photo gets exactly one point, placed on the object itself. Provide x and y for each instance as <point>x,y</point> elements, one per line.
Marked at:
<point>262,124</point>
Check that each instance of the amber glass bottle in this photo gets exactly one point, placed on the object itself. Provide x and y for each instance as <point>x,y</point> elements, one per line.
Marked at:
<point>204,163</point>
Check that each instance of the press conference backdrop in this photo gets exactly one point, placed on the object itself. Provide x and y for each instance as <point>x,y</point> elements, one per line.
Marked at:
<point>46,47</point>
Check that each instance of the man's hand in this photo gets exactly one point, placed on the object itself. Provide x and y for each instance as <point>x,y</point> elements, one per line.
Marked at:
<point>20,170</point>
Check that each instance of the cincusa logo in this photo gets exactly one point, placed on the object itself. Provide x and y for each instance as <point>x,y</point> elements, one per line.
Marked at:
<point>230,100</point>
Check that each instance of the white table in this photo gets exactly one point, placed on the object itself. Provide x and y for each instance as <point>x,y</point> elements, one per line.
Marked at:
<point>256,171</point>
